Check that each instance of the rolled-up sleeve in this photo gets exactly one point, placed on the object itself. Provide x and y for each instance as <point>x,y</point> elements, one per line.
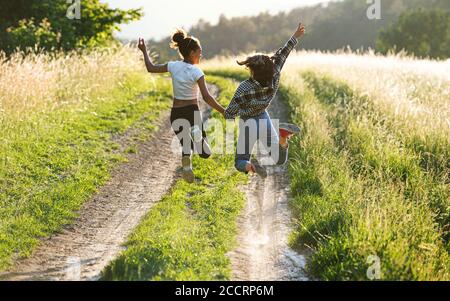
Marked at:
<point>232,110</point>
<point>283,53</point>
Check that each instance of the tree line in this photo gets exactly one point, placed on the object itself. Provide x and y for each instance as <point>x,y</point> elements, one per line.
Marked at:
<point>331,27</point>
<point>48,25</point>
<point>420,27</point>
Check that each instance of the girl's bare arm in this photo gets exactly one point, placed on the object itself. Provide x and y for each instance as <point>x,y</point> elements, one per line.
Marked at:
<point>209,99</point>
<point>152,68</point>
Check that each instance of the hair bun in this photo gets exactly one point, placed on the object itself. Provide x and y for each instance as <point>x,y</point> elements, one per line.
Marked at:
<point>184,43</point>
<point>178,37</point>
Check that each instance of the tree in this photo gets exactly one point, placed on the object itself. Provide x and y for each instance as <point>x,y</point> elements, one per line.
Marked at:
<point>27,23</point>
<point>329,27</point>
<point>424,33</point>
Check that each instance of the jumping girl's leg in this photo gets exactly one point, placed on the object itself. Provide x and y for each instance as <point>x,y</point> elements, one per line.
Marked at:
<point>287,130</point>
<point>199,138</point>
<point>181,120</point>
<point>277,151</point>
<point>248,135</point>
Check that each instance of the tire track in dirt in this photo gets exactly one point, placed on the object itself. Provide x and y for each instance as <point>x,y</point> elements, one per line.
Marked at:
<point>83,249</point>
<point>263,253</point>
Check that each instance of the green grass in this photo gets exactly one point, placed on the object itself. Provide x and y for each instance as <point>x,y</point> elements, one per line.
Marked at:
<point>359,193</point>
<point>359,189</point>
<point>187,234</point>
<point>433,150</point>
<point>236,73</point>
<point>53,161</point>
<point>376,152</point>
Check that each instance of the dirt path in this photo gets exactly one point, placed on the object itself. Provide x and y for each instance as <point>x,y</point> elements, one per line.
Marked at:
<point>263,252</point>
<point>82,250</point>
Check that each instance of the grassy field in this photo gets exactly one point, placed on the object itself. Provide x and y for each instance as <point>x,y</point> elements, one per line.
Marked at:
<point>408,97</point>
<point>359,194</point>
<point>369,173</point>
<point>370,170</point>
<point>187,234</point>
<point>61,120</point>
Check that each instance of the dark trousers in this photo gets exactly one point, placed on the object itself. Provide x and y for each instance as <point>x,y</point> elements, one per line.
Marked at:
<point>182,120</point>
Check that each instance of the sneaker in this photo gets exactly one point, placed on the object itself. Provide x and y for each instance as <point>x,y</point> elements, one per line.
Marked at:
<point>260,170</point>
<point>188,174</point>
<point>288,129</point>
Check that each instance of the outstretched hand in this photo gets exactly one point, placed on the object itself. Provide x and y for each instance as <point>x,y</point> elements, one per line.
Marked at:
<point>300,32</point>
<point>141,45</point>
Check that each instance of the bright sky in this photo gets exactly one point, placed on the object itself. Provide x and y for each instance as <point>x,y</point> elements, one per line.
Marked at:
<point>162,16</point>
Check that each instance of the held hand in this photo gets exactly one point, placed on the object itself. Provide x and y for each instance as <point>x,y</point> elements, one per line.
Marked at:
<point>142,46</point>
<point>300,32</point>
<point>250,168</point>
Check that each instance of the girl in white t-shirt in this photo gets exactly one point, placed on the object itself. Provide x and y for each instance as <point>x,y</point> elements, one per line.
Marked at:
<point>187,79</point>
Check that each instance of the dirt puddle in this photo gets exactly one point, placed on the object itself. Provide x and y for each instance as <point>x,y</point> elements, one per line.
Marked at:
<point>263,253</point>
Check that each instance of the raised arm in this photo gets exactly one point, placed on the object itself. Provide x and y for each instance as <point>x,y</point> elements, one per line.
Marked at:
<point>209,99</point>
<point>282,54</point>
<point>148,62</point>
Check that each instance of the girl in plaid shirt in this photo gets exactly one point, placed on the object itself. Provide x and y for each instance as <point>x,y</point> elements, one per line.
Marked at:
<point>250,103</point>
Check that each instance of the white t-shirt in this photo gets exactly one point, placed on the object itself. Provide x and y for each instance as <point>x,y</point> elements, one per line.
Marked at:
<point>184,79</point>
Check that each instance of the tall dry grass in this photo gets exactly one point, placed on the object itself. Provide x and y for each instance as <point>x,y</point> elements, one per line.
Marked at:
<point>416,93</point>
<point>411,89</point>
<point>42,82</point>
<point>359,183</point>
<point>60,118</point>
<point>411,95</point>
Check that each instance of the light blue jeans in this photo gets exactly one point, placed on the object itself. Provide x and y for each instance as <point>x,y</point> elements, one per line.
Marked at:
<point>258,129</point>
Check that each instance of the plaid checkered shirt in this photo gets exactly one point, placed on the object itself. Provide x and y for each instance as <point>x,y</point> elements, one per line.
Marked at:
<point>251,98</point>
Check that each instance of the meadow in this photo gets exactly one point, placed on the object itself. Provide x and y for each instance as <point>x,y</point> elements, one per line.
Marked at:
<point>369,172</point>
<point>188,234</point>
<point>61,118</point>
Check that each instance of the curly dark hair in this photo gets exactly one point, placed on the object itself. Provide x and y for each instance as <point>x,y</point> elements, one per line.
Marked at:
<point>261,67</point>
